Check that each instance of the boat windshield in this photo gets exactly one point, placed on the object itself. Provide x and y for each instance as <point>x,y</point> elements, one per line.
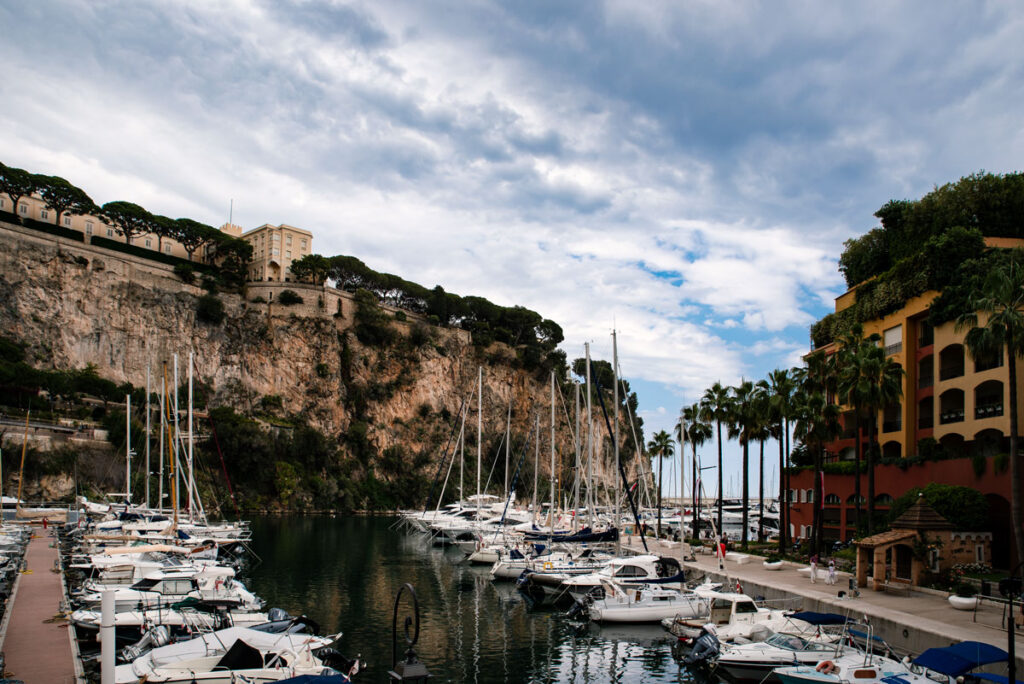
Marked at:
<point>791,642</point>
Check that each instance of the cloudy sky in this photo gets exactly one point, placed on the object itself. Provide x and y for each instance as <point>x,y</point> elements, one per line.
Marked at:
<point>685,172</point>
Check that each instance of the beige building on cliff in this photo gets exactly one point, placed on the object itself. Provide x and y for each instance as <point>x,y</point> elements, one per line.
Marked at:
<point>274,248</point>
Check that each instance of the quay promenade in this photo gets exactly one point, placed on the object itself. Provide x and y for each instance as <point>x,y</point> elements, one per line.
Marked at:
<point>910,622</point>
<point>37,647</point>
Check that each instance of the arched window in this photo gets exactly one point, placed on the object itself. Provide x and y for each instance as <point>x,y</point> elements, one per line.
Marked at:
<point>988,400</point>
<point>883,500</point>
<point>892,450</point>
<point>951,407</point>
<point>852,499</point>
<point>833,499</point>
<point>951,362</point>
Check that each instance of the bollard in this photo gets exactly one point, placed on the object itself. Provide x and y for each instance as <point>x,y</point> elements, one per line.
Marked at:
<point>107,644</point>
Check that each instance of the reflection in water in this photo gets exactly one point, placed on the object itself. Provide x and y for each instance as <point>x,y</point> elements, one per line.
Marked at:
<point>345,573</point>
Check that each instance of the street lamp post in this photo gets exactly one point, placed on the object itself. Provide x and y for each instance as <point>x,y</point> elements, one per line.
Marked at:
<point>1010,587</point>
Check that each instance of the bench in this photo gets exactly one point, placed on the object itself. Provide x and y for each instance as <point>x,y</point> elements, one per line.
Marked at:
<point>738,558</point>
<point>897,588</point>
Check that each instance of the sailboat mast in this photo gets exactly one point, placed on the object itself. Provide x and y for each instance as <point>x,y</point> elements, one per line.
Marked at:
<point>191,474</point>
<point>128,450</point>
<point>147,435</point>
<point>170,452</point>
<point>160,451</point>
<point>176,487</point>
<point>462,454</point>
<point>577,471</point>
<point>551,524</point>
<point>479,432</point>
<point>508,436</point>
<point>590,450</point>
<point>536,464</point>
<point>615,377</point>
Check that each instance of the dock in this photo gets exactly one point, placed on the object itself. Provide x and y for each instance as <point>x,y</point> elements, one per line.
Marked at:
<point>37,644</point>
<point>910,622</point>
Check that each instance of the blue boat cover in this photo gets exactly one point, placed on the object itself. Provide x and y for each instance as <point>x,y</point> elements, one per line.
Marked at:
<point>961,658</point>
<point>864,635</point>
<point>820,618</point>
<point>998,679</point>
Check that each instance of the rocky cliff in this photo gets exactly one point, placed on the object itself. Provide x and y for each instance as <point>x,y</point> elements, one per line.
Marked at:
<point>75,305</point>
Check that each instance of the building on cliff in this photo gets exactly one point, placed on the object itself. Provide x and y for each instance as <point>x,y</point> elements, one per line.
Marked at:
<point>947,396</point>
<point>274,247</point>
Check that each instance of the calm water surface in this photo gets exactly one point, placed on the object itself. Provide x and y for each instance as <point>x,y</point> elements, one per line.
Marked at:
<point>345,572</point>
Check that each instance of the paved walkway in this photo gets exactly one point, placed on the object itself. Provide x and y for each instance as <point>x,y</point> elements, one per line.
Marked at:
<point>39,652</point>
<point>909,622</point>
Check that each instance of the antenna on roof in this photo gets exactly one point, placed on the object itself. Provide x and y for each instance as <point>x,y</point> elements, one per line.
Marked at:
<point>231,211</point>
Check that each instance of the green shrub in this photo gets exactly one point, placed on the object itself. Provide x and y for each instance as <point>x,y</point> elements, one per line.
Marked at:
<point>1000,462</point>
<point>209,309</point>
<point>271,402</point>
<point>966,590</point>
<point>323,370</point>
<point>400,316</point>
<point>964,507</point>
<point>209,284</point>
<point>425,409</point>
<point>185,272</point>
<point>288,298</point>
<point>372,326</point>
<point>978,463</point>
<point>258,300</point>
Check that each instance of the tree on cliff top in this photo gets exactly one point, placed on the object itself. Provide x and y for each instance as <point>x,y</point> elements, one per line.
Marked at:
<point>128,219</point>
<point>312,267</point>
<point>17,183</point>
<point>62,197</point>
<point>192,234</point>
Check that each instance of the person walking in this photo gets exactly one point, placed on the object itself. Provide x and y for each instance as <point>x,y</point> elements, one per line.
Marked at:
<point>814,568</point>
<point>721,551</point>
<point>831,571</point>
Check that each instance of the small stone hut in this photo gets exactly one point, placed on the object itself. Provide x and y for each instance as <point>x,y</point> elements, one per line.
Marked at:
<point>918,540</point>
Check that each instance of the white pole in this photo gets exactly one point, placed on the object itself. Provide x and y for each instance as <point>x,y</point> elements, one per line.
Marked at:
<point>462,454</point>
<point>147,436</point>
<point>160,451</point>
<point>191,476</point>
<point>579,473</point>
<point>107,645</point>
<point>552,516</point>
<point>615,414</point>
<point>536,464</point>
<point>508,438</point>
<point>128,451</point>
<point>176,438</point>
<point>479,432</point>
<point>590,449</point>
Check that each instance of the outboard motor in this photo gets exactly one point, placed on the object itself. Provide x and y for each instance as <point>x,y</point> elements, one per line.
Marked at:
<point>154,638</point>
<point>705,648</point>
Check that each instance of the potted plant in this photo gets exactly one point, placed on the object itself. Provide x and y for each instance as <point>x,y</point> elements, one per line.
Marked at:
<point>964,598</point>
<point>772,562</point>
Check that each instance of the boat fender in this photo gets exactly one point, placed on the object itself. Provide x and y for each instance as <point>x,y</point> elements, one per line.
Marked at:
<point>547,565</point>
<point>826,667</point>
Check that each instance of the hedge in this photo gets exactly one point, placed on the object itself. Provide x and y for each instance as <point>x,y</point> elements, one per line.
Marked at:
<point>76,235</point>
<point>150,254</point>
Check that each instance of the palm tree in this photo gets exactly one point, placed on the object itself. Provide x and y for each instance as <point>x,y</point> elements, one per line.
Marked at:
<point>885,388</point>
<point>1001,300</point>
<point>817,423</point>
<point>697,432</point>
<point>783,387</point>
<point>661,446</point>
<point>742,421</point>
<point>714,406</point>
<point>760,433</point>
<point>853,384</point>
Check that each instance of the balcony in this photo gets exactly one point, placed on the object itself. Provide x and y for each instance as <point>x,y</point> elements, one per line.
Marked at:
<point>925,422</point>
<point>925,381</point>
<point>954,416</point>
<point>988,410</point>
<point>892,425</point>
<point>894,349</point>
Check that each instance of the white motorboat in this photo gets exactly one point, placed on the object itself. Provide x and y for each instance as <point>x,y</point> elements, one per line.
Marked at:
<point>648,569</point>
<point>735,616</point>
<point>754,662</point>
<point>171,586</point>
<point>237,654</point>
<point>651,603</point>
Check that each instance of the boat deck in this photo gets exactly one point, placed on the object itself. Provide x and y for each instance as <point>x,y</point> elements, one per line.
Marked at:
<point>38,650</point>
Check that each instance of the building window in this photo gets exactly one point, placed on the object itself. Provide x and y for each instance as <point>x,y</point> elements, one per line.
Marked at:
<point>288,253</point>
<point>88,227</point>
<point>167,249</point>
<point>288,241</point>
<point>149,243</point>
<point>67,220</point>
<point>110,232</point>
<point>303,243</point>
<point>23,209</point>
<point>43,214</point>
<point>979,553</point>
<point>893,339</point>
<point>1,203</point>
<point>276,251</point>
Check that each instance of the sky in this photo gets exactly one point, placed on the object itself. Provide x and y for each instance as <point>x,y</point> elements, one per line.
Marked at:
<point>682,172</point>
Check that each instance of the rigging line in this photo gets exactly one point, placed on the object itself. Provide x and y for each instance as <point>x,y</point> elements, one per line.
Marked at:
<point>444,457</point>
<point>622,471</point>
<point>515,477</point>
<point>497,453</point>
<point>223,465</point>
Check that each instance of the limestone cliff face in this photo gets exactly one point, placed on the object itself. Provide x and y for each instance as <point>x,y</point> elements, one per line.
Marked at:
<point>76,304</point>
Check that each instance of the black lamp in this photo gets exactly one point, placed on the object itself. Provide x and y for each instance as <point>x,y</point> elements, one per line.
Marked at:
<point>410,669</point>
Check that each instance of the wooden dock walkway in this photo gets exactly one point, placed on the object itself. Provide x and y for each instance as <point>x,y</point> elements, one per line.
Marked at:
<point>38,651</point>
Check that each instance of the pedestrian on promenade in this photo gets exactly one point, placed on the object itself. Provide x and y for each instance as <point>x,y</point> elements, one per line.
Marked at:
<point>814,568</point>
<point>831,571</point>
<point>721,551</point>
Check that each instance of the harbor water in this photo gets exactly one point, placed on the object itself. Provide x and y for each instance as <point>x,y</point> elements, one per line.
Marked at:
<point>344,572</point>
